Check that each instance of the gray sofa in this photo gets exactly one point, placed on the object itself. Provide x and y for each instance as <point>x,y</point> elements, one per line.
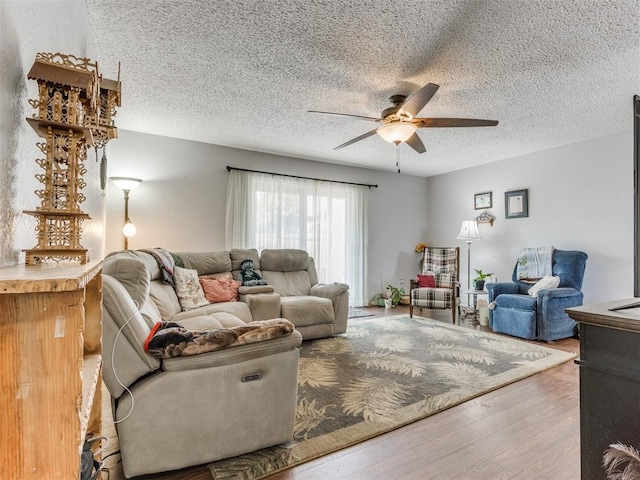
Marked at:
<point>189,410</point>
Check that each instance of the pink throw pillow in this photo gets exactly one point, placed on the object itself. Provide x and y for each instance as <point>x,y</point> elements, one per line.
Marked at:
<point>424,281</point>
<point>234,285</point>
<point>220,289</point>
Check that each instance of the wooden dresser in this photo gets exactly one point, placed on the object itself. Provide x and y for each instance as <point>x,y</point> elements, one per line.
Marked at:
<point>50,367</point>
<point>609,381</point>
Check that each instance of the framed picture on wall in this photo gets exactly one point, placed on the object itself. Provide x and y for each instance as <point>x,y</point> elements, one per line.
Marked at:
<point>516,204</point>
<point>483,200</point>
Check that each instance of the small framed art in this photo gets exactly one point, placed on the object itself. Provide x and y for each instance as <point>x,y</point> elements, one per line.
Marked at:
<point>483,200</point>
<point>516,204</point>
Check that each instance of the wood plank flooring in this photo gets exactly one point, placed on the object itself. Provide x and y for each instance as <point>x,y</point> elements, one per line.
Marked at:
<point>527,430</point>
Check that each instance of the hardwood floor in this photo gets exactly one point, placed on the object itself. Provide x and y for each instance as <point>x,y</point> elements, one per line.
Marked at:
<point>527,430</point>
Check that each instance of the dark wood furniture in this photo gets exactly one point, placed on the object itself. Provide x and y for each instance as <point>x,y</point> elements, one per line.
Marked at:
<point>609,380</point>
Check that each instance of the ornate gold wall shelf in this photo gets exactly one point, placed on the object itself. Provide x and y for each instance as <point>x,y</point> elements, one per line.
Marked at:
<point>75,109</point>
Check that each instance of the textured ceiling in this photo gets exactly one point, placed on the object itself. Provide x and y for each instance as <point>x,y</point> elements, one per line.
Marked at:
<point>245,73</point>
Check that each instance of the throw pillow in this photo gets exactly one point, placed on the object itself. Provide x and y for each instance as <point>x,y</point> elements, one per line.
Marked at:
<point>188,289</point>
<point>426,281</point>
<point>445,280</point>
<point>544,283</point>
<point>234,285</point>
<point>220,289</point>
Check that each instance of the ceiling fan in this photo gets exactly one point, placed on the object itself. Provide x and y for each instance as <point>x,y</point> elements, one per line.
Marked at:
<point>399,122</point>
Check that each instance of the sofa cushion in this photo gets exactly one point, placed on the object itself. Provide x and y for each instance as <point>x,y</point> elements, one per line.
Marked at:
<point>165,298</point>
<point>303,311</point>
<point>132,273</point>
<point>238,309</point>
<point>515,301</point>
<point>211,322</point>
<point>188,289</point>
<point>206,262</point>
<point>150,262</point>
<point>239,255</point>
<point>288,283</point>
<point>284,260</point>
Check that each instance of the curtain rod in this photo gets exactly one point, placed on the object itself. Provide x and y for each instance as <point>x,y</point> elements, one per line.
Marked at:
<point>305,178</point>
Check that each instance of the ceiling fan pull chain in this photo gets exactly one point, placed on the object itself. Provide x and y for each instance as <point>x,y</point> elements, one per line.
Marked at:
<point>398,156</point>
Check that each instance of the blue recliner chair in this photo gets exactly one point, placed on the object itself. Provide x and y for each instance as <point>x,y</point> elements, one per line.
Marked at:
<point>543,318</point>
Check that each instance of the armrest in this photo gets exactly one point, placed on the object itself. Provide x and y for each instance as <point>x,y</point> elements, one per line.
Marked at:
<point>232,355</point>
<point>263,306</point>
<point>338,293</point>
<point>496,289</point>
<point>553,302</point>
<point>248,290</point>
<point>332,291</point>
<point>558,293</point>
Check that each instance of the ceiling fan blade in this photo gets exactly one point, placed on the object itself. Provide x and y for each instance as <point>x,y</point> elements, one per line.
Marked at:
<point>357,139</point>
<point>418,100</point>
<point>415,142</point>
<point>452,122</point>
<point>361,117</point>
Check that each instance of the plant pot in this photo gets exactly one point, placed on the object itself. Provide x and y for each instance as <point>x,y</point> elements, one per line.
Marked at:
<point>388,303</point>
<point>480,284</point>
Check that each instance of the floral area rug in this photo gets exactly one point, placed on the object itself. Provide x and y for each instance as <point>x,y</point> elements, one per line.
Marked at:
<point>385,373</point>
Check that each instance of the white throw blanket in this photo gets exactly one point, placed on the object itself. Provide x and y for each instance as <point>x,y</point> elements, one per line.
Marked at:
<point>534,263</point>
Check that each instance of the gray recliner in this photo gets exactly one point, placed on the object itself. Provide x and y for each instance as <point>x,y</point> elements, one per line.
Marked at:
<point>184,411</point>
<point>317,310</point>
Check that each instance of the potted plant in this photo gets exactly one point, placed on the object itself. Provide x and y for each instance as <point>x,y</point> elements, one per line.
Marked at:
<point>480,278</point>
<point>394,295</point>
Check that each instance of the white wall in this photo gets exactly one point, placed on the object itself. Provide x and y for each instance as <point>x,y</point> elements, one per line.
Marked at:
<point>580,195</point>
<point>181,203</point>
<point>580,198</point>
<point>26,28</point>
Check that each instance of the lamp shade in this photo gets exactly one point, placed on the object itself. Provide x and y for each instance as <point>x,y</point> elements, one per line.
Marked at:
<point>469,231</point>
<point>397,132</point>
<point>126,183</point>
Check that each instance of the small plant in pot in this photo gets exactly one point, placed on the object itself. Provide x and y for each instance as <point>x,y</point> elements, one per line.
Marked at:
<point>480,279</point>
<point>394,295</point>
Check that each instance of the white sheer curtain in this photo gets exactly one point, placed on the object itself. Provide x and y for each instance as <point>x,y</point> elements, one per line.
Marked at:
<point>327,219</point>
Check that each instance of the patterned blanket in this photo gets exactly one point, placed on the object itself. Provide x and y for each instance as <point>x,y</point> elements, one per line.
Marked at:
<point>168,339</point>
<point>166,263</point>
<point>534,263</point>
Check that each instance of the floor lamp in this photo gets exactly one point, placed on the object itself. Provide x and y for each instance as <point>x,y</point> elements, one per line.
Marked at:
<point>127,184</point>
<point>469,232</point>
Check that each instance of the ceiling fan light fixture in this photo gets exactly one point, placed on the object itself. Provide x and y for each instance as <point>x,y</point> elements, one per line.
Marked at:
<point>397,132</point>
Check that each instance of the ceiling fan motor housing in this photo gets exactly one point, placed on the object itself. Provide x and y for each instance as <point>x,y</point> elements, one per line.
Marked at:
<point>390,113</point>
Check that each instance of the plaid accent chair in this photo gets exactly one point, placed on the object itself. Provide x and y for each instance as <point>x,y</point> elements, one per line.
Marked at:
<point>443,264</point>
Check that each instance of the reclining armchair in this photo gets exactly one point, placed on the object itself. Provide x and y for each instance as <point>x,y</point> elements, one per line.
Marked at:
<point>515,312</point>
<point>317,310</point>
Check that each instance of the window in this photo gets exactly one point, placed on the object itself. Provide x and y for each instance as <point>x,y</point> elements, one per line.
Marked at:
<point>326,219</point>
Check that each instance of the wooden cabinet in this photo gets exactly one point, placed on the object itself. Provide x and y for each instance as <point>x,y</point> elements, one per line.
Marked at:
<point>609,381</point>
<point>50,367</point>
